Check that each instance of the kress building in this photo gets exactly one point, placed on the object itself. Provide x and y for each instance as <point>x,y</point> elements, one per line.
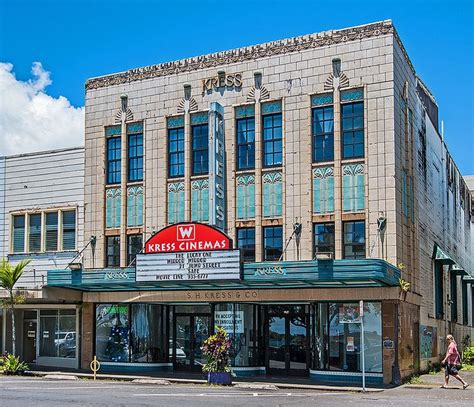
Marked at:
<point>319,159</point>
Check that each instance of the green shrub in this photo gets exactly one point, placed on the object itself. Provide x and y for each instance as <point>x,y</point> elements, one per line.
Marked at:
<point>468,355</point>
<point>12,365</point>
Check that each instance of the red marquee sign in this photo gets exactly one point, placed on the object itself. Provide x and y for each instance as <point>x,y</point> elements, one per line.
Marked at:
<point>188,237</point>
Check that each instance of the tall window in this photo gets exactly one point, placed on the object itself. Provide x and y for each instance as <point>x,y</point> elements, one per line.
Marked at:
<point>18,233</point>
<point>324,238</point>
<point>134,246</point>
<point>353,130</point>
<point>353,187</point>
<point>354,240</point>
<point>439,288</point>
<point>464,302</point>
<point>69,230</point>
<point>246,243</point>
<point>245,196</point>
<point>246,143</point>
<point>200,144</point>
<point>176,152</point>
<point>323,134</point>
<point>113,251</point>
<point>272,140</point>
<point>34,232</point>
<point>113,160</point>
<point>51,231</point>
<point>453,280</point>
<point>135,157</point>
<point>272,243</point>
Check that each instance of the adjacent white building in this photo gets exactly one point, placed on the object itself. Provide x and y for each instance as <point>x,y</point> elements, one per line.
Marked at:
<point>41,219</point>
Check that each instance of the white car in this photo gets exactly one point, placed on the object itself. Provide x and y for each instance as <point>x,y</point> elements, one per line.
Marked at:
<point>180,354</point>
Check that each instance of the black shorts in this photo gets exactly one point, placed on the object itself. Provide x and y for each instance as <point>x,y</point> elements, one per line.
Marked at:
<point>450,370</point>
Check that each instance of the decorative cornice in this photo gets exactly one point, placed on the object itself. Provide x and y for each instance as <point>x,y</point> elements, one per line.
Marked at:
<point>286,46</point>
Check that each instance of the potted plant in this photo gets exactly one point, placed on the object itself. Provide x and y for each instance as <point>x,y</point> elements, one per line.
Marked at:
<point>216,349</point>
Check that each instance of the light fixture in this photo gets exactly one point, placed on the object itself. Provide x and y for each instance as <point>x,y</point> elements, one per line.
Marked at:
<point>75,266</point>
<point>323,256</point>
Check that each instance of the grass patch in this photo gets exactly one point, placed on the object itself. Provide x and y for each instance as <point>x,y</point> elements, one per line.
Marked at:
<point>415,380</point>
<point>467,368</point>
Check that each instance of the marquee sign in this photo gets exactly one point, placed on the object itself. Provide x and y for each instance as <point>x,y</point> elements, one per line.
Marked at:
<point>187,237</point>
<point>189,266</point>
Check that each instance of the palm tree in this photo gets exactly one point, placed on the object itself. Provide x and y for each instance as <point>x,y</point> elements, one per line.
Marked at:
<point>9,275</point>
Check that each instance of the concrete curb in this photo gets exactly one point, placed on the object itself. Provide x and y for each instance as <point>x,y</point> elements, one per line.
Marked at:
<point>156,382</point>
<point>60,377</point>
<point>255,386</point>
<point>169,380</point>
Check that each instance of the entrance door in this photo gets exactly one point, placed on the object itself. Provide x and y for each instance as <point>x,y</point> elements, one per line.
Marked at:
<point>29,341</point>
<point>287,350</point>
<point>190,332</point>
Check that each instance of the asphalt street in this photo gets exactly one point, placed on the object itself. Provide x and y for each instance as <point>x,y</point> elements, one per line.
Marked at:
<point>37,392</point>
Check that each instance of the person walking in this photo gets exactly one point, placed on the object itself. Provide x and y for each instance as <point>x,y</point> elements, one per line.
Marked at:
<point>450,362</point>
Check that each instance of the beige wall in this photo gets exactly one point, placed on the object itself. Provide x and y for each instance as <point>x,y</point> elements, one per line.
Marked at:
<point>291,77</point>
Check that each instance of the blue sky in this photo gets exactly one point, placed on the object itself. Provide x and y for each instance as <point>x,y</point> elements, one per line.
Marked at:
<point>78,39</point>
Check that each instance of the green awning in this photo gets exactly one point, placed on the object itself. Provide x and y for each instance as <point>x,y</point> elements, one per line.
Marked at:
<point>458,270</point>
<point>441,256</point>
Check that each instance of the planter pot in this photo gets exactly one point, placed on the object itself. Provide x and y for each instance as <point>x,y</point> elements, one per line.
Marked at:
<point>220,378</point>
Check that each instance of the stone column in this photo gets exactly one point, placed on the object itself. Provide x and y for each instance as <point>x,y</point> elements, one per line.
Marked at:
<point>187,166</point>
<point>123,185</point>
<point>258,183</point>
<point>338,229</point>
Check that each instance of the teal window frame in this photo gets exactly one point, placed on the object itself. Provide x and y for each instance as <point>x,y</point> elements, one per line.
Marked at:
<point>200,200</point>
<point>19,233</point>
<point>464,303</point>
<point>323,190</point>
<point>353,188</point>
<point>246,244</point>
<point>34,233</point>
<point>135,157</point>
<point>352,130</point>
<point>114,160</point>
<point>439,290</point>
<point>353,239</point>
<point>175,202</point>
<point>135,206</point>
<point>68,230</point>
<point>112,253</point>
<point>453,295</point>
<point>51,231</point>
<point>272,194</point>
<point>272,243</point>
<point>245,205</point>
<point>113,204</point>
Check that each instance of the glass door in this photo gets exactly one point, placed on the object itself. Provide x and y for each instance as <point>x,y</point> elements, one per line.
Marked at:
<point>297,328</point>
<point>277,344</point>
<point>287,336</point>
<point>190,332</point>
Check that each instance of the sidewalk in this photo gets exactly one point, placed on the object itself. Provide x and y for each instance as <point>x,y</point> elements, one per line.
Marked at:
<point>262,383</point>
<point>436,380</point>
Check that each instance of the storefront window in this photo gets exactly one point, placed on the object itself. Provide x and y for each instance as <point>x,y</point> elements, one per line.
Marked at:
<point>239,320</point>
<point>147,333</point>
<point>337,343</point>
<point>58,333</point>
<point>112,333</point>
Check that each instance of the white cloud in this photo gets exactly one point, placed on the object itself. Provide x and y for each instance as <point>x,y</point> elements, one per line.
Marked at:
<point>30,119</point>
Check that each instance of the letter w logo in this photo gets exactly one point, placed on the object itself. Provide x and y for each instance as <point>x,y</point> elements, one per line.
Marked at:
<point>186,232</point>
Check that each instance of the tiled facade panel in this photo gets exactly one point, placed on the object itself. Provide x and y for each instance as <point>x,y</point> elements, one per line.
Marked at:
<point>292,78</point>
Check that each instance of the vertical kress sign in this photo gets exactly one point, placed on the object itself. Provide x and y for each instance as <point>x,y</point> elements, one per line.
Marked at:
<point>217,210</point>
<point>188,252</point>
